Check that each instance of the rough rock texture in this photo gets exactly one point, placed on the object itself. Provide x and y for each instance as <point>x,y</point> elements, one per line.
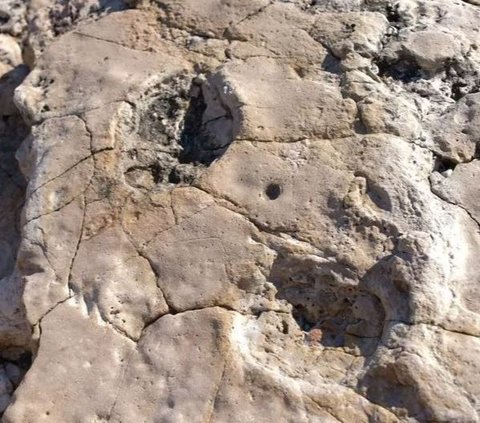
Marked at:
<point>240,211</point>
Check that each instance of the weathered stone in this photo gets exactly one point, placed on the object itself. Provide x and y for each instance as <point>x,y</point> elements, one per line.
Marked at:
<point>457,134</point>
<point>460,187</point>
<point>234,211</point>
<point>100,360</point>
<point>343,33</point>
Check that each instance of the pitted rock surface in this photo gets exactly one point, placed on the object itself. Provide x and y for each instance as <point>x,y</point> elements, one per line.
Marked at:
<point>240,211</point>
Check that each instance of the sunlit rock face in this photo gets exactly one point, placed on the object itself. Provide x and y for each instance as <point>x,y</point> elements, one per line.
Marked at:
<point>240,211</point>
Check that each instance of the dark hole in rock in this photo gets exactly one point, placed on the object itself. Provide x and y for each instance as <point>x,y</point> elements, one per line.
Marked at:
<point>401,70</point>
<point>174,139</point>
<point>443,164</point>
<point>392,14</point>
<point>476,155</point>
<point>459,90</point>
<point>199,143</point>
<point>332,64</point>
<point>4,18</point>
<point>380,197</point>
<point>173,177</point>
<point>299,316</point>
<point>156,171</point>
<point>24,361</point>
<point>193,136</point>
<point>273,191</point>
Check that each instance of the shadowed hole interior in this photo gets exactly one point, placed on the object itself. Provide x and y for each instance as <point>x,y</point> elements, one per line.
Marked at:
<point>174,141</point>
<point>273,191</point>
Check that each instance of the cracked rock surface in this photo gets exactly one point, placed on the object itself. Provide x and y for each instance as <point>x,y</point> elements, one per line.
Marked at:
<point>240,211</point>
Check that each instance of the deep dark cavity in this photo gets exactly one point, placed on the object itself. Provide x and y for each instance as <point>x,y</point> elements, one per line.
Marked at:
<point>174,140</point>
<point>24,361</point>
<point>476,155</point>
<point>195,139</point>
<point>273,191</point>
<point>4,18</point>
<point>328,306</point>
<point>403,70</point>
<point>392,15</point>
<point>442,164</point>
<point>460,89</point>
<point>332,64</point>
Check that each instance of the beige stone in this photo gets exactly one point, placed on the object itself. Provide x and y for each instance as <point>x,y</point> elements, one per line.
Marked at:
<point>241,211</point>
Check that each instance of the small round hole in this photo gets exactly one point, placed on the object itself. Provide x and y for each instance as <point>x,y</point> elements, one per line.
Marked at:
<point>273,191</point>
<point>4,18</point>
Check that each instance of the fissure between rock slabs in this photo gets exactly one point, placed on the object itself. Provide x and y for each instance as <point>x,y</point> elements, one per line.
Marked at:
<point>172,139</point>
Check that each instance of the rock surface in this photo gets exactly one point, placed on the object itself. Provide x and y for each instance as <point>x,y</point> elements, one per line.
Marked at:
<point>240,211</point>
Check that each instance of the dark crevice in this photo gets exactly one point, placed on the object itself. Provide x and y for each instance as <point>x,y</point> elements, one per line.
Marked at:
<point>476,154</point>
<point>332,64</point>
<point>4,18</point>
<point>461,89</point>
<point>392,15</point>
<point>194,138</point>
<point>404,70</point>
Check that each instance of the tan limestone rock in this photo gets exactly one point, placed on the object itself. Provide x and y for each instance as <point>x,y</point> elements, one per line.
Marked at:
<point>239,211</point>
